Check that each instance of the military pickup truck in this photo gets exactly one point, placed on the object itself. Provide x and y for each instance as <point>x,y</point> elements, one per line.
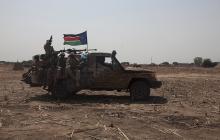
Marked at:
<point>96,71</point>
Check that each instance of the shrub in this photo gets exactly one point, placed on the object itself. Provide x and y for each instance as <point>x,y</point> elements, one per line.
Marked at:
<point>198,61</point>
<point>165,63</point>
<point>208,63</point>
<point>175,63</point>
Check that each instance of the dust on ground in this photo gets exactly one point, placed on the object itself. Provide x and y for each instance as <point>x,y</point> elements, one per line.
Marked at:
<point>186,107</point>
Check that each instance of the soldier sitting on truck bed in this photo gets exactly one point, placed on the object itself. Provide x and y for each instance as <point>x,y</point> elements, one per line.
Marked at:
<point>115,63</point>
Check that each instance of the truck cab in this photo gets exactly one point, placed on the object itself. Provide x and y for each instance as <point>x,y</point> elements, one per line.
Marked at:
<point>106,73</point>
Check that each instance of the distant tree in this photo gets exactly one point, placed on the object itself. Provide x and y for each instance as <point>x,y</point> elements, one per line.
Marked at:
<point>175,63</point>
<point>208,63</point>
<point>198,61</point>
<point>215,64</point>
<point>165,63</point>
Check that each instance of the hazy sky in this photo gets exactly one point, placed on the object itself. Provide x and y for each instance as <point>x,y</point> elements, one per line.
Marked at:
<point>166,30</point>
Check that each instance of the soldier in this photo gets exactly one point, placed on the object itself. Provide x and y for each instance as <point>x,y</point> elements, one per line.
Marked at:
<point>51,71</point>
<point>50,61</point>
<point>36,60</point>
<point>48,48</point>
<point>43,72</point>
<point>61,64</point>
<point>115,64</point>
<point>84,57</point>
<point>72,68</point>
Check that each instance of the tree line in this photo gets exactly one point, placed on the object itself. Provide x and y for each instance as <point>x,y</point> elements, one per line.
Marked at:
<point>199,61</point>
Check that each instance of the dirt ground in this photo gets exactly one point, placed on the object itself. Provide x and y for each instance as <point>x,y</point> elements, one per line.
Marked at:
<point>187,106</point>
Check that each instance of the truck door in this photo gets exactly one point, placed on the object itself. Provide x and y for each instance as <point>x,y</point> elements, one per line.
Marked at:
<point>107,76</point>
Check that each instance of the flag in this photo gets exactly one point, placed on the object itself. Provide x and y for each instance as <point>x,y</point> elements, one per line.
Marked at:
<point>75,39</point>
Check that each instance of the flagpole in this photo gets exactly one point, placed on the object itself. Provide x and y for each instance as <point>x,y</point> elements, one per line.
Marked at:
<point>87,48</point>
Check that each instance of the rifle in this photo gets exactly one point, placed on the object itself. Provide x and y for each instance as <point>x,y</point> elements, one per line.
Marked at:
<point>51,37</point>
<point>75,51</point>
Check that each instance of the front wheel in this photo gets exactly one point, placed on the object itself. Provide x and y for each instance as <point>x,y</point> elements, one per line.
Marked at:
<point>139,90</point>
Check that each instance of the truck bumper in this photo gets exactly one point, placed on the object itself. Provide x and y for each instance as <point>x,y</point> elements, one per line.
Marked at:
<point>156,84</point>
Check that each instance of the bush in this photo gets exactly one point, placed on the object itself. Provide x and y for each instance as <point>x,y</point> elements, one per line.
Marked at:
<point>175,63</point>
<point>198,61</point>
<point>208,63</point>
<point>165,63</point>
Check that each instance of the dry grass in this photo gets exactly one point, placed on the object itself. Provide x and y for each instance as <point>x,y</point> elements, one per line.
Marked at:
<point>186,107</point>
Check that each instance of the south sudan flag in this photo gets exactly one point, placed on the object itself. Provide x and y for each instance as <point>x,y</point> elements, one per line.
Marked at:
<point>75,39</point>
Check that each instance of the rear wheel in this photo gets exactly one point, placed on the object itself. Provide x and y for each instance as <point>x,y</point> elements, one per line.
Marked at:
<point>139,90</point>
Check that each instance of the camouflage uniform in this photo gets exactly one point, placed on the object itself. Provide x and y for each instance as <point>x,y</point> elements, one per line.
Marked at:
<point>49,64</point>
<point>72,68</point>
<point>61,65</point>
<point>48,48</point>
<point>51,71</point>
<point>115,62</point>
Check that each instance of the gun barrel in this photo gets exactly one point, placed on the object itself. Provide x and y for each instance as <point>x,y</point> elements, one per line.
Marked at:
<point>73,50</point>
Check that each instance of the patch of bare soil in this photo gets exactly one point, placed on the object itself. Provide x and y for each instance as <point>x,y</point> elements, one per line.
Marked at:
<point>186,107</point>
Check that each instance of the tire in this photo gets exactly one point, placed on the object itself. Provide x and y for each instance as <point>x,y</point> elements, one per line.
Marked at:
<point>139,90</point>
